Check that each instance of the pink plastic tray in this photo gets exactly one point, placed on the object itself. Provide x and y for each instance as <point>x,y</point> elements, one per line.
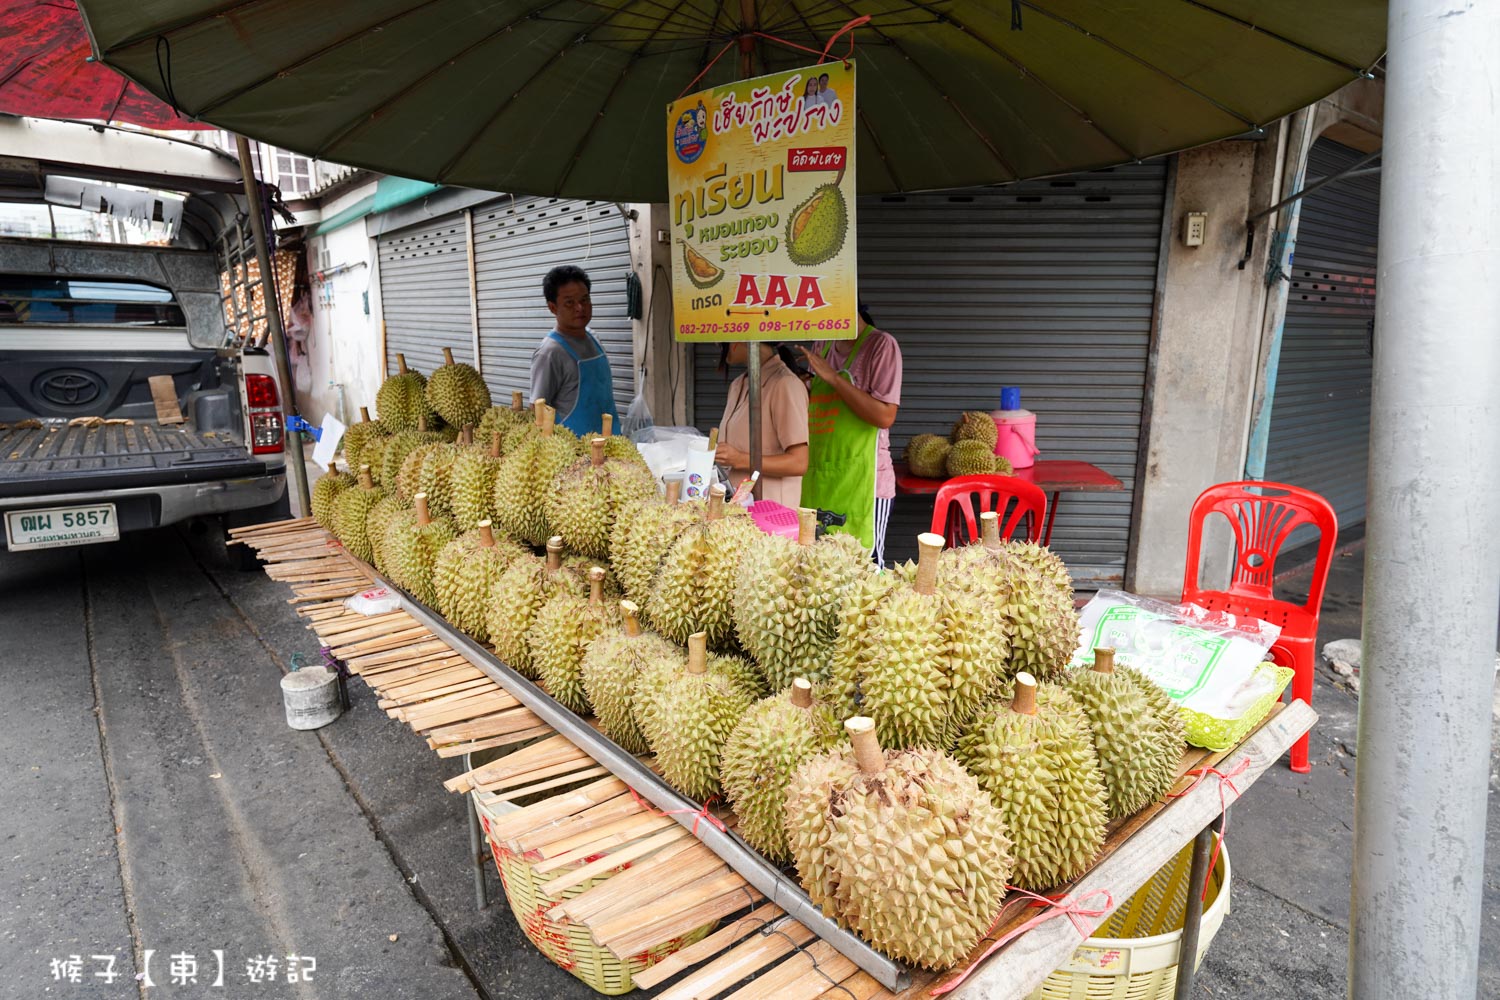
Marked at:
<point>774,518</point>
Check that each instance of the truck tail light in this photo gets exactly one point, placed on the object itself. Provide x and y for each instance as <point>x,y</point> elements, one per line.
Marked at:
<point>267,425</point>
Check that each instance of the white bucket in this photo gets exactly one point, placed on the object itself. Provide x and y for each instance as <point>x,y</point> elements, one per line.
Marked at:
<point>311,696</point>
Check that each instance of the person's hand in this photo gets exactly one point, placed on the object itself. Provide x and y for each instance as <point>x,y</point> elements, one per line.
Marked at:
<point>819,365</point>
<point>731,456</point>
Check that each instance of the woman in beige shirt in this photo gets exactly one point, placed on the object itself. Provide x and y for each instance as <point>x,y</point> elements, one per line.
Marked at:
<point>783,426</point>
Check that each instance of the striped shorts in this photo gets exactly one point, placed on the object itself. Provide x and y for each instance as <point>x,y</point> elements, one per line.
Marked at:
<point>882,521</point>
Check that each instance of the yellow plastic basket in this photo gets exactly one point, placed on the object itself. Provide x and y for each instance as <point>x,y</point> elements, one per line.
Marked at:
<point>1135,953</point>
<point>1217,734</point>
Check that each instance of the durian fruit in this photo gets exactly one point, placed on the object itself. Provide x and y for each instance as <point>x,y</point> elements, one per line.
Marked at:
<point>1031,590</point>
<point>1035,757</point>
<point>694,586</point>
<point>976,425</point>
<point>387,509</point>
<point>971,458</point>
<point>618,445</point>
<point>644,530</point>
<point>788,597</point>
<point>587,496</point>
<point>356,438</point>
<point>524,483</point>
<point>397,448</point>
<point>901,846</point>
<point>472,482</point>
<point>411,550</point>
<point>611,668</point>
<point>927,456</point>
<point>401,400</point>
<point>519,594</point>
<point>918,651</point>
<point>1003,467</point>
<point>351,511</point>
<point>762,753</point>
<point>325,493</point>
<point>687,714</point>
<point>561,634</point>
<point>1138,732</point>
<point>457,393</point>
<point>466,571</point>
<point>503,419</point>
<point>815,229</point>
<point>372,453</point>
<point>434,477</point>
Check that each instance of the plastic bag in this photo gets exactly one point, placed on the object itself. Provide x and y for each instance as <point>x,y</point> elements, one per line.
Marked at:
<point>376,601</point>
<point>1204,660</point>
<point>665,449</point>
<point>637,417</point>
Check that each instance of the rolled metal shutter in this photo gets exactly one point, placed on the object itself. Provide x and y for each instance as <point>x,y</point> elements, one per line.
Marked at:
<point>1320,412</point>
<point>516,242</point>
<point>1046,285</point>
<point>424,293</point>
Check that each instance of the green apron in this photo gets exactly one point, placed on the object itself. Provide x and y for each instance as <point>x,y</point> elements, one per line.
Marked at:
<point>841,452</point>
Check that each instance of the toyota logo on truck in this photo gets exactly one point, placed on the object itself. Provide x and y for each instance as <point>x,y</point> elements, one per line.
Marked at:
<point>69,388</point>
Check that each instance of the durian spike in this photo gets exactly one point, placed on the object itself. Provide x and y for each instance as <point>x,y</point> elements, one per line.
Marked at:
<point>674,490</point>
<point>802,692</point>
<point>1024,703</point>
<point>401,368</point>
<point>364,478</point>
<point>495,445</point>
<point>1104,660</point>
<point>516,398</point>
<point>697,653</point>
<point>807,525</point>
<point>554,553</point>
<point>989,529</point>
<point>486,535</point>
<point>447,355</point>
<point>596,452</point>
<point>715,502</point>
<point>364,414</point>
<point>713,439</point>
<point>423,518</point>
<point>867,752</point>
<point>608,423</point>
<point>930,546</point>
<point>596,586</point>
<point>631,612</point>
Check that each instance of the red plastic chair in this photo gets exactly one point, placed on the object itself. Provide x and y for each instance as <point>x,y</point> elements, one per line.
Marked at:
<point>962,499</point>
<point>1262,516</point>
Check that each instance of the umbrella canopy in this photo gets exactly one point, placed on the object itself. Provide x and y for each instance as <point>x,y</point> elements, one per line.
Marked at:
<point>46,71</point>
<point>568,97</point>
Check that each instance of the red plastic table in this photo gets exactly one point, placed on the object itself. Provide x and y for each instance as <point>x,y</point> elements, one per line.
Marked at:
<point>1054,476</point>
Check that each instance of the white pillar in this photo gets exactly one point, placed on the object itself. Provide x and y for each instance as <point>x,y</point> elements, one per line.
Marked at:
<point>1432,565</point>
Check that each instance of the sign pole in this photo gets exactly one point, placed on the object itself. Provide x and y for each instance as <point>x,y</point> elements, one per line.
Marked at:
<point>752,356</point>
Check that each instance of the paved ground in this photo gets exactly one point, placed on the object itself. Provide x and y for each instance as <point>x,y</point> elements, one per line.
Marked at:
<point>163,805</point>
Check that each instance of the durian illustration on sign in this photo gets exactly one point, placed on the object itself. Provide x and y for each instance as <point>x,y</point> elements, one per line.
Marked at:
<point>816,229</point>
<point>701,271</point>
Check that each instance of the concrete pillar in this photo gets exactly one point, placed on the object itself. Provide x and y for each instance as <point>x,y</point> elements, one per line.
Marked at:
<point>1432,563</point>
<point>666,363</point>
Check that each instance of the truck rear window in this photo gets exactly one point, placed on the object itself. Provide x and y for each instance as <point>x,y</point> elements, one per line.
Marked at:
<point>31,300</point>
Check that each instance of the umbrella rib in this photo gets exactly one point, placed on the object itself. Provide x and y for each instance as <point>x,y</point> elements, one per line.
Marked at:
<point>700,19</point>
<point>177,24</point>
<point>1357,70</point>
<point>880,148</point>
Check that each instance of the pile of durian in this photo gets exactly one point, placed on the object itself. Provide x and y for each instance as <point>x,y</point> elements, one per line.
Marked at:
<point>968,450</point>
<point>911,741</point>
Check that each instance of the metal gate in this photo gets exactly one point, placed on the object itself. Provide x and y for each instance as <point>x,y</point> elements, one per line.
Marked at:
<point>1320,412</point>
<point>1047,285</point>
<point>424,293</point>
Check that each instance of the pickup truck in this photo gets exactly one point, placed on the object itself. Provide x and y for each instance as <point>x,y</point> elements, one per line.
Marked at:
<point>84,327</point>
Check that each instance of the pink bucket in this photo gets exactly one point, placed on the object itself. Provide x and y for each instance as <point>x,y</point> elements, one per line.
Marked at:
<point>1017,440</point>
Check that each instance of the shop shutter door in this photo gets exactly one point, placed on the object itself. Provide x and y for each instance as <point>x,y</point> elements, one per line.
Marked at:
<point>1320,413</point>
<point>516,242</point>
<point>1047,285</point>
<point>424,293</point>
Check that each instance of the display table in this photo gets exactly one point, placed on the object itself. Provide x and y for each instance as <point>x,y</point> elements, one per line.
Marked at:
<point>1054,476</point>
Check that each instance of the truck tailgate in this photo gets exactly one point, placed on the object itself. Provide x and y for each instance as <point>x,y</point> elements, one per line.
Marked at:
<point>58,457</point>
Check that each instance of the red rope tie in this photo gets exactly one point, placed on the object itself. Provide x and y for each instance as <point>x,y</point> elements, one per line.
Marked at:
<point>1226,788</point>
<point>1076,910</point>
<point>847,29</point>
<point>698,815</point>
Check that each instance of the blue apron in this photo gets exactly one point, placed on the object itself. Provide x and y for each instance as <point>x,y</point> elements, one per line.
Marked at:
<point>596,390</point>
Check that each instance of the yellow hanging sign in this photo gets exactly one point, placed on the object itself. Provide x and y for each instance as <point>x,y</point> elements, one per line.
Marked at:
<point>761,174</point>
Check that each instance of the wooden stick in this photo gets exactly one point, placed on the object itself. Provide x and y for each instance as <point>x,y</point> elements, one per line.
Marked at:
<point>611,861</point>
<point>512,721</point>
<point>701,951</point>
<point>575,850</point>
<point>742,960</point>
<point>804,976</point>
<point>558,806</point>
<point>459,749</point>
<point>670,906</point>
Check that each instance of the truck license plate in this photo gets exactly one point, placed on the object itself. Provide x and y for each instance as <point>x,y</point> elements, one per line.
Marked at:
<point>53,527</point>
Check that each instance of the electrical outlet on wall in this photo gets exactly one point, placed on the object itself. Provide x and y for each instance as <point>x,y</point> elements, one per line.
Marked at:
<point>1194,228</point>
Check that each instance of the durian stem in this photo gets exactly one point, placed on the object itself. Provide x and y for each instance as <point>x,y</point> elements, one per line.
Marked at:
<point>486,535</point>
<point>807,525</point>
<point>930,546</point>
<point>422,424</point>
<point>467,435</point>
<point>495,445</point>
<point>596,452</point>
<point>401,364</point>
<point>674,490</point>
<point>607,422</point>
<point>1024,702</point>
<point>333,466</point>
<point>802,692</point>
<point>554,553</point>
<point>365,480</point>
<point>447,355</point>
<point>1104,660</point>
<point>697,653</point>
<point>596,586</point>
<point>713,439</point>
<point>631,612</point>
<point>423,518</point>
<point>989,529</point>
<point>715,502</point>
<point>539,408</point>
<point>867,752</point>
<point>516,400</point>
<point>549,421</point>
<point>364,414</point>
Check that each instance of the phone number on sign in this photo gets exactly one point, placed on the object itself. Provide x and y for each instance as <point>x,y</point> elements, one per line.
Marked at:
<point>703,329</point>
<point>802,325</point>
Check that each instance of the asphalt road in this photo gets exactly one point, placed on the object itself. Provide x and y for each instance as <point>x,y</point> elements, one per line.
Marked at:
<point>156,801</point>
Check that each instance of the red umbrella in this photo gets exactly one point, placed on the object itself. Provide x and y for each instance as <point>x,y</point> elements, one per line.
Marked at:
<point>46,71</point>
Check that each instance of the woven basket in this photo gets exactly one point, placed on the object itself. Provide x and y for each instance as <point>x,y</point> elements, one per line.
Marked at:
<point>569,945</point>
<point>1135,953</point>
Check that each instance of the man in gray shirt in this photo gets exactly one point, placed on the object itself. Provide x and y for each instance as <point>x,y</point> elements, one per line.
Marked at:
<point>569,369</point>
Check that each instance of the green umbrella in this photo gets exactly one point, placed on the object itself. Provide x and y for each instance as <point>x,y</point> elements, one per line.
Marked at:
<point>568,97</point>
